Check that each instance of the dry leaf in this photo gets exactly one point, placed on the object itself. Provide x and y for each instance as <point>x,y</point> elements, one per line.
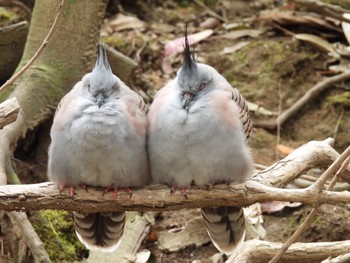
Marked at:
<point>254,222</point>
<point>193,234</point>
<point>143,256</point>
<point>275,206</point>
<point>242,33</point>
<point>316,41</point>
<point>175,46</point>
<point>346,28</point>
<point>122,22</point>
<point>234,48</point>
<point>289,18</point>
<point>284,149</point>
<point>209,23</point>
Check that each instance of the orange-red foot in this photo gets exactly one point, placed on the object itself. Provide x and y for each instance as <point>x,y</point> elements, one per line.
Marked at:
<point>83,186</point>
<point>106,190</point>
<point>115,193</point>
<point>71,189</point>
<point>109,188</point>
<point>129,191</point>
<point>62,188</point>
<point>184,192</point>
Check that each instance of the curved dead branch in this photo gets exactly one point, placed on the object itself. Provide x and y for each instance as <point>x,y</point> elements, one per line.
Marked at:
<point>262,251</point>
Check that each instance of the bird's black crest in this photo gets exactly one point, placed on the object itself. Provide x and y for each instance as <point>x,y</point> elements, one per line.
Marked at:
<point>189,61</point>
<point>102,59</point>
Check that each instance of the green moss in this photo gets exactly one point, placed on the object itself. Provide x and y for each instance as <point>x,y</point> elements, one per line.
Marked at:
<point>118,42</point>
<point>340,99</point>
<point>7,15</point>
<point>56,230</point>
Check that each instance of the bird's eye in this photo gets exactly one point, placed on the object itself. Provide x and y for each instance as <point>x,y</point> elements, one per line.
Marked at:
<point>89,86</point>
<point>202,86</point>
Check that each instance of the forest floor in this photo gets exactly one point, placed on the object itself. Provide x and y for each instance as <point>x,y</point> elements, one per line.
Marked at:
<point>251,43</point>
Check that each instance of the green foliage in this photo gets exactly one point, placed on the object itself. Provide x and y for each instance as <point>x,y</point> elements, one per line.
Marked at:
<point>340,99</point>
<point>56,230</point>
<point>7,15</point>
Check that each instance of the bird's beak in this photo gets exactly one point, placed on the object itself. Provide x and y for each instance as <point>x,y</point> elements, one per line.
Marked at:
<point>100,99</point>
<point>187,98</point>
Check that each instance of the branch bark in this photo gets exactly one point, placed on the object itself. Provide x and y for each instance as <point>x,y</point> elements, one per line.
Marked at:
<point>157,198</point>
<point>8,112</point>
<point>262,251</point>
<point>30,237</point>
<point>261,188</point>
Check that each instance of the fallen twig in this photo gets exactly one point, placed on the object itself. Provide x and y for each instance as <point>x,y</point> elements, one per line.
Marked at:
<point>258,251</point>
<point>308,96</point>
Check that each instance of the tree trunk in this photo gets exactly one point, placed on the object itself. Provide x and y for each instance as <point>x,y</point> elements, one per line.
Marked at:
<point>69,54</point>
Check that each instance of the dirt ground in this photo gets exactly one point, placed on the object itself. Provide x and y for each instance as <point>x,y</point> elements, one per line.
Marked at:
<point>272,69</point>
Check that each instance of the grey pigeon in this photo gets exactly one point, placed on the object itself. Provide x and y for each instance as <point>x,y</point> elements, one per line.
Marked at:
<point>99,139</point>
<point>198,130</point>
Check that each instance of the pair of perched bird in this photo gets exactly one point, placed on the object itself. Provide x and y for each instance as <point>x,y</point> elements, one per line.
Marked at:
<point>196,131</point>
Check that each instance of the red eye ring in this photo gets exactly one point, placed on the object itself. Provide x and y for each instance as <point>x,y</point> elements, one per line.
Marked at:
<point>202,86</point>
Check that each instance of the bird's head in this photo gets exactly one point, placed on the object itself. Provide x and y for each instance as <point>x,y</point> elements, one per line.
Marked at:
<point>101,82</point>
<point>192,77</point>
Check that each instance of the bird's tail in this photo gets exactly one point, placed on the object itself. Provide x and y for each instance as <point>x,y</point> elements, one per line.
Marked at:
<point>100,231</point>
<point>225,226</point>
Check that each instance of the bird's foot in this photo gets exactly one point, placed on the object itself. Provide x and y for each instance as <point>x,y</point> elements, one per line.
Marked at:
<point>183,190</point>
<point>173,189</point>
<point>83,186</point>
<point>71,189</point>
<point>115,189</point>
<point>129,191</point>
<point>210,186</point>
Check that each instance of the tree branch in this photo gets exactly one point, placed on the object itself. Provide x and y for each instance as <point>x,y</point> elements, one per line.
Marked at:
<point>262,251</point>
<point>157,198</point>
<point>261,188</point>
<point>8,112</point>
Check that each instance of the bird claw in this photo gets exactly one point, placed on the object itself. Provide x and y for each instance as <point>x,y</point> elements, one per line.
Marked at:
<point>115,193</point>
<point>183,190</point>
<point>71,191</point>
<point>210,186</point>
<point>129,191</point>
<point>83,186</point>
<point>173,189</point>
